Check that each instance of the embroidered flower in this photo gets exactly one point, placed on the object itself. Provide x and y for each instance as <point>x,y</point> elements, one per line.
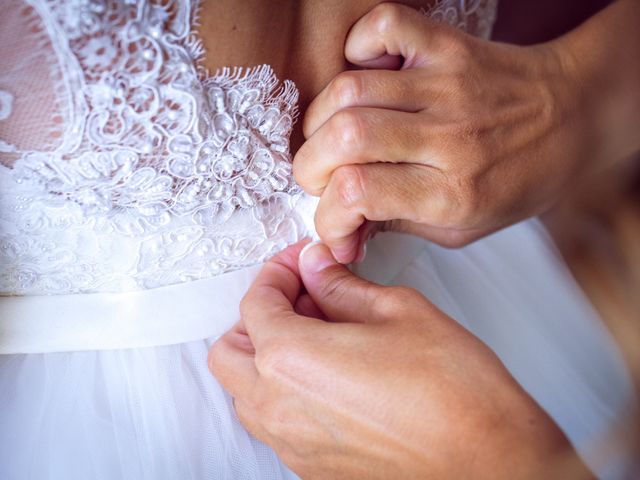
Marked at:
<point>98,53</point>
<point>165,174</point>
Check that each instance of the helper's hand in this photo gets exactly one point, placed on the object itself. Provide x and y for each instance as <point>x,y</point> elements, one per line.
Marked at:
<point>468,136</point>
<point>349,379</point>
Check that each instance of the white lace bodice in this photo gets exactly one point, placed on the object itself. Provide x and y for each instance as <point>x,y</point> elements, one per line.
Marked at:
<point>125,166</point>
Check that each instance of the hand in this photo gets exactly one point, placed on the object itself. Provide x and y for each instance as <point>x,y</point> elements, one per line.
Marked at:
<point>350,379</point>
<point>467,137</point>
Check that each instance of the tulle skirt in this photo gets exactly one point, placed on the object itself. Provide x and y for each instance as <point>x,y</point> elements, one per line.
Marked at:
<point>150,413</point>
<point>157,413</point>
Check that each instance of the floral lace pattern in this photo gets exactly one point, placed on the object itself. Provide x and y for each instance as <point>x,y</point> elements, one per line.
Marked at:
<point>163,174</point>
<point>473,16</point>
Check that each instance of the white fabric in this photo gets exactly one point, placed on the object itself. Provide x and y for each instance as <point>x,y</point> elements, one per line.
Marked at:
<point>151,172</point>
<point>127,172</point>
<point>125,166</point>
<point>135,414</point>
<point>514,292</point>
<point>97,321</point>
<point>155,413</point>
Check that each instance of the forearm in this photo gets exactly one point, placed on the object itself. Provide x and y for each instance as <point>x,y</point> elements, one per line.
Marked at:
<point>603,59</point>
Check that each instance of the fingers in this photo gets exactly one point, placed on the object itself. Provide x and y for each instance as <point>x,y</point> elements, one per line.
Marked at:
<point>251,421</point>
<point>232,362</point>
<point>362,135</point>
<point>393,90</point>
<point>341,295</point>
<point>379,192</point>
<point>385,62</point>
<point>445,237</point>
<point>267,311</point>
<point>269,303</point>
<point>306,307</point>
<point>392,29</point>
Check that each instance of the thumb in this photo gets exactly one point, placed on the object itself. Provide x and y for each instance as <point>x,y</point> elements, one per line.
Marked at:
<point>391,30</point>
<point>341,295</point>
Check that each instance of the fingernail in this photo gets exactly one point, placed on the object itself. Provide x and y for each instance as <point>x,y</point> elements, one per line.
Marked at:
<point>315,257</point>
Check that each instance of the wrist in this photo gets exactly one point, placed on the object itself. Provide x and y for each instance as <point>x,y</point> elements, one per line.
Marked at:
<point>529,445</point>
<point>601,74</point>
<point>544,450</point>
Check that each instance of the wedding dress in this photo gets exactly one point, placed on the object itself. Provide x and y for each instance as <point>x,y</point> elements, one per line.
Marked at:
<point>138,198</point>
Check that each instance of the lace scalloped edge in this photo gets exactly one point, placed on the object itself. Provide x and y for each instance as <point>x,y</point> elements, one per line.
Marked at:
<point>282,93</point>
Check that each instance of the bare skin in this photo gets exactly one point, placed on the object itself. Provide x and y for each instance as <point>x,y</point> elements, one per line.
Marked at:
<point>303,40</point>
<point>348,379</point>
<point>469,136</point>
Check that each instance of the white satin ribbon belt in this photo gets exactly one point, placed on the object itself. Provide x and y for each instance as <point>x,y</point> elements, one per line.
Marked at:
<point>98,321</point>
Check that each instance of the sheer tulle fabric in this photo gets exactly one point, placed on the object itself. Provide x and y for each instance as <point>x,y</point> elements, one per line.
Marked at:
<point>514,292</point>
<point>156,413</point>
<point>124,168</point>
<point>136,414</point>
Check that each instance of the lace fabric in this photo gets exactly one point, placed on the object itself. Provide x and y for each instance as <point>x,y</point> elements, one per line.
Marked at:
<point>472,16</point>
<point>117,153</point>
<point>125,166</point>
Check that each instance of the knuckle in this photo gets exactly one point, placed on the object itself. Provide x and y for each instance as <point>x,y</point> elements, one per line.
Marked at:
<point>280,358</point>
<point>404,294</point>
<point>279,420</point>
<point>459,46</point>
<point>349,186</point>
<point>470,133</point>
<point>465,200</point>
<point>391,301</point>
<point>347,88</point>
<point>252,413</point>
<point>468,138</point>
<point>458,84</point>
<point>346,129</point>
<point>386,17</point>
<point>461,95</point>
<point>336,289</point>
<point>456,239</point>
<point>440,199</point>
<point>270,359</point>
<point>255,405</point>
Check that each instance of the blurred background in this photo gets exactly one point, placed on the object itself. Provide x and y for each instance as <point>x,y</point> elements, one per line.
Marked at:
<point>597,225</point>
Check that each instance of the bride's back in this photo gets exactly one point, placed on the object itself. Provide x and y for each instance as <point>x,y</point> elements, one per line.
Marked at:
<point>303,40</point>
<point>111,130</point>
